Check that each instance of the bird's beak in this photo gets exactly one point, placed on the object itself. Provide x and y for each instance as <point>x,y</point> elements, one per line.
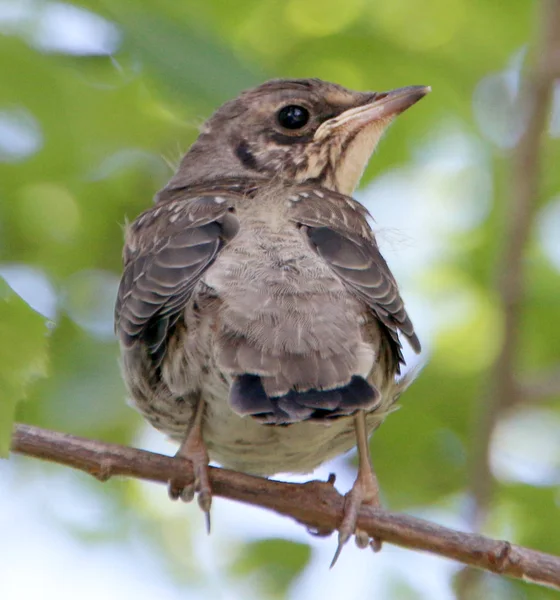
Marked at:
<point>353,135</point>
<point>380,107</point>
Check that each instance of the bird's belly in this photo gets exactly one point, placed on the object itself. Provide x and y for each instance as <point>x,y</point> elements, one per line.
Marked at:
<point>245,444</point>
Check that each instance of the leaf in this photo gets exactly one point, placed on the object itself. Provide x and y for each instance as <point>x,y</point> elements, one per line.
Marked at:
<point>84,393</point>
<point>197,66</point>
<point>278,561</point>
<point>23,357</point>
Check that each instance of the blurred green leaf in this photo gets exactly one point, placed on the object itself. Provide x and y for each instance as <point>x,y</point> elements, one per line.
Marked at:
<point>23,357</point>
<point>275,561</point>
<point>85,393</point>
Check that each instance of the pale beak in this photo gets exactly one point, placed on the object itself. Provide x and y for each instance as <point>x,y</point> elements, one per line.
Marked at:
<point>383,106</point>
<point>351,136</point>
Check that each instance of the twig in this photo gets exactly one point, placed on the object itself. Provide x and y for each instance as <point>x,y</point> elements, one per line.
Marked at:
<point>520,213</point>
<point>541,386</point>
<point>503,389</point>
<point>316,504</point>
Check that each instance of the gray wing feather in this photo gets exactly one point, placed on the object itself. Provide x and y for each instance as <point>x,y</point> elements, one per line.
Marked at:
<point>338,230</point>
<point>168,249</point>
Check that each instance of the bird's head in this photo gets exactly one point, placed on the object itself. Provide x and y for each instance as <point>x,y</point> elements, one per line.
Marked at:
<point>301,130</point>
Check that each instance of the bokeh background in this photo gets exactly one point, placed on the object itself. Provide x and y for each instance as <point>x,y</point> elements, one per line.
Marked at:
<point>98,100</point>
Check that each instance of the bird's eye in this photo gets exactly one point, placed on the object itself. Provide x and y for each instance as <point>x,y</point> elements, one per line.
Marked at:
<point>293,116</point>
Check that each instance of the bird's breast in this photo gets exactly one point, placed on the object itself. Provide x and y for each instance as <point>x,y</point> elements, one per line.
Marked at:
<point>273,257</point>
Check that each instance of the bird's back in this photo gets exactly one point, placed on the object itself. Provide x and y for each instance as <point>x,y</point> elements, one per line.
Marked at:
<point>288,331</point>
<point>271,334</point>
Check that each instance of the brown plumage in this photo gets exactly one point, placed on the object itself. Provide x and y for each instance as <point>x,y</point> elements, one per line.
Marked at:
<point>254,294</point>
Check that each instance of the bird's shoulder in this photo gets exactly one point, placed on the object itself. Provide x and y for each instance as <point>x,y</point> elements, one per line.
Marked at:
<point>337,227</point>
<point>181,211</point>
<point>316,206</point>
<point>167,250</point>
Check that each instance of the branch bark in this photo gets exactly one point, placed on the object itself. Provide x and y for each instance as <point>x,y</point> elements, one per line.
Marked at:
<point>541,386</point>
<point>315,504</point>
<point>503,389</point>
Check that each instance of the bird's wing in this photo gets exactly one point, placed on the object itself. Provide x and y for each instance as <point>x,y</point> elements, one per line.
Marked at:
<point>337,228</point>
<point>167,250</point>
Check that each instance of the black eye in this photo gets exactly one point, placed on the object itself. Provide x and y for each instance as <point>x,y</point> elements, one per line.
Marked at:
<point>293,116</point>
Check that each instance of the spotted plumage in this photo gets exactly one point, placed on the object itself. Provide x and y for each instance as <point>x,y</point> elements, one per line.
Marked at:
<point>256,315</point>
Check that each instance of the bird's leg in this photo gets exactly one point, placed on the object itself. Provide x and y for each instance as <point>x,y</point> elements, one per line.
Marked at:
<point>193,448</point>
<point>364,491</point>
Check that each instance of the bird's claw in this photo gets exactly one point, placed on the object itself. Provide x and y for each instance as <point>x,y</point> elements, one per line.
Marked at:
<point>363,492</point>
<point>361,538</point>
<point>188,493</point>
<point>178,489</point>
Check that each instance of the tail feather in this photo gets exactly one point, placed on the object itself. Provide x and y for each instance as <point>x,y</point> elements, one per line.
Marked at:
<point>248,397</point>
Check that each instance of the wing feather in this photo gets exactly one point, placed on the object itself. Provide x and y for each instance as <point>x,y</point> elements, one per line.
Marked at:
<point>167,250</point>
<point>348,246</point>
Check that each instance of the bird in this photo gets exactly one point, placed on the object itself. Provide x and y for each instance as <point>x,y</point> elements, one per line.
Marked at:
<point>259,325</point>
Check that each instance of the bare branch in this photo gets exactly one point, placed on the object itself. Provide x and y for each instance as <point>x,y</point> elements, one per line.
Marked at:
<point>541,386</point>
<point>520,214</point>
<point>503,389</point>
<point>316,504</point>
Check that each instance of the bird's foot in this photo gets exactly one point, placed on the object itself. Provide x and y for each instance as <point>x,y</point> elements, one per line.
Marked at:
<point>365,491</point>
<point>193,449</point>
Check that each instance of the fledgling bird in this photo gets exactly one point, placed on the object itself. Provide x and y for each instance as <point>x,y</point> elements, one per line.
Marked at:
<point>258,322</point>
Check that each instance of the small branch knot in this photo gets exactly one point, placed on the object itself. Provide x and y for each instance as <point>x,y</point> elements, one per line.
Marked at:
<point>502,557</point>
<point>104,471</point>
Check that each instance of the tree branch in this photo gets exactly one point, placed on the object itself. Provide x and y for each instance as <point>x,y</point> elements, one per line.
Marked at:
<point>315,504</point>
<point>503,389</point>
<point>541,386</point>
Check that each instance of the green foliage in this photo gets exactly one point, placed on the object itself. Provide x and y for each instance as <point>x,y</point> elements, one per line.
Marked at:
<point>275,561</point>
<point>23,357</point>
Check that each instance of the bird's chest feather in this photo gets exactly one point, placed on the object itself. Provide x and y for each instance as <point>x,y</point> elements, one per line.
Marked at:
<point>272,257</point>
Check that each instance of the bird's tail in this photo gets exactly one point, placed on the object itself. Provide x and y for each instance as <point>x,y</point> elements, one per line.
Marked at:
<point>248,397</point>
